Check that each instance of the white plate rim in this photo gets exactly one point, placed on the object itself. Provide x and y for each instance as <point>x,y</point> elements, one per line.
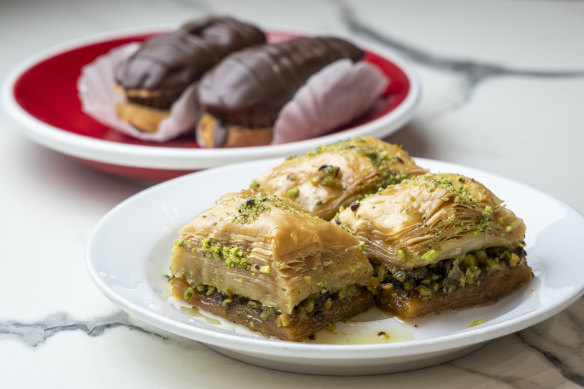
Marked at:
<point>168,158</point>
<point>474,336</point>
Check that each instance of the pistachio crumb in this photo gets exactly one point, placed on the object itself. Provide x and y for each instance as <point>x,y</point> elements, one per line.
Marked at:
<point>293,193</point>
<point>429,255</point>
<point>265,269</point>
<point>189,293</point>
<point>476,323</point>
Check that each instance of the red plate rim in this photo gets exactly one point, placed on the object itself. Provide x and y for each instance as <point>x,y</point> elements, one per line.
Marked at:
<point>61,125</point>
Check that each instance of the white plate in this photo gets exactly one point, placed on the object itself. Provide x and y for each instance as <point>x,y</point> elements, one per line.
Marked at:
<point>129,251</point>
<point>41,95</point>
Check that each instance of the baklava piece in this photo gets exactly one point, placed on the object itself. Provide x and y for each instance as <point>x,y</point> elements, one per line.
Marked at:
<point>334,176</point>
<point>266,264</point>
<point>439,242</point>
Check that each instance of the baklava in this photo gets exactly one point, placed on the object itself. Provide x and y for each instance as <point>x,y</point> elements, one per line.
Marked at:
<point>336,175</point>
<point>439,242</point>
<point>267,264</point>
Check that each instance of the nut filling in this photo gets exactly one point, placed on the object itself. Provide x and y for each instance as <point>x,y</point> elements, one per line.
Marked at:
<point>449,275</point>
<point>315,312</point>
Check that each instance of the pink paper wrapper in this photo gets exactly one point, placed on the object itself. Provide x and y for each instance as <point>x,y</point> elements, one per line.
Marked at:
<point>98,96</point>
<point>334,96</point>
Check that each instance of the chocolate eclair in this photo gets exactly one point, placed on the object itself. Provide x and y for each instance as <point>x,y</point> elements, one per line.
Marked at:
<point>156,75</point>
<point>243,95</point>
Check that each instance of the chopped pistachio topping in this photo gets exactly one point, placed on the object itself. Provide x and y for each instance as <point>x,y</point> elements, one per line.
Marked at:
<point>258,203</point>
<point>254,184</point>
<point>401,254</point>
<point>476,323</point>
<point>252,208</point>
<point>459,188</point>
<point>381,159</point>
<point>179,242</point>
<point>362,246</point>
<point>429,255</point>
<point>265,269</point>
<point>329,177</point>
<point>233,256</point>
<point>293,193</point>
<point>484,227</point>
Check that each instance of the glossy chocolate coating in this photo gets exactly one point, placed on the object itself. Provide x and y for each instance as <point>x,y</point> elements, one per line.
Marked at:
<point>170,62</point>
<point>250,87</point>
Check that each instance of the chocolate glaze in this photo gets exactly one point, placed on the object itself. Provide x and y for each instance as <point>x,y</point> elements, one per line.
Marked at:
<point>169,62</point>
<point>250,87</point>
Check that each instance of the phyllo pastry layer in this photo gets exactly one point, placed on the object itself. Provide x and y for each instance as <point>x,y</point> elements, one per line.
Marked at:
<point>265,263</point>
<point>439,241</point>
<point>336,175</point>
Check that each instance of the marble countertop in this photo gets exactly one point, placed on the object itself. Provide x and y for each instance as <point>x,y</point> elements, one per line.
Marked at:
<point>503,86</point>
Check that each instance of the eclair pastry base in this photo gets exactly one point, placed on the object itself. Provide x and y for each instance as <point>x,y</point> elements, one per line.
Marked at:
<point>236,136</point>
<point>141,117</point>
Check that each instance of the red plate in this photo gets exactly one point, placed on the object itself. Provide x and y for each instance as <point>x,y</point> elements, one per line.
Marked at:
<point>42,95</point>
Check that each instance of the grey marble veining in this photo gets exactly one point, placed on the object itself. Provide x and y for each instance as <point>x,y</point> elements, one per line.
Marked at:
<point>106,349</point>
<point>36,333</point>
<point>472,72</point>
<point>561,341</point>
